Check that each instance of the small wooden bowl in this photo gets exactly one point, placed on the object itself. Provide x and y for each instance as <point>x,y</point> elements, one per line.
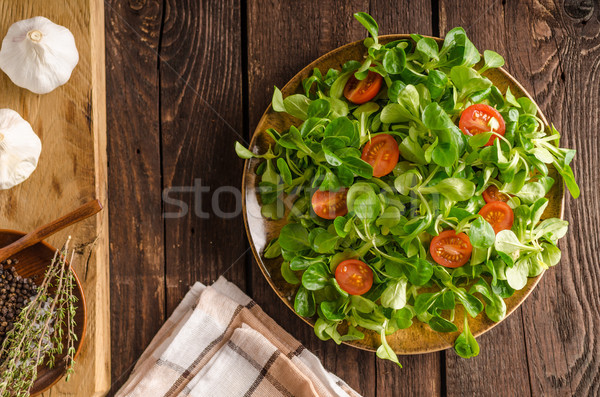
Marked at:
<point>418,338</point>
<point>33,263</point>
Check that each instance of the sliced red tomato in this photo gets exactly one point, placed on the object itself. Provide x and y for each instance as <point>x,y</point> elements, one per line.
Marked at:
<point>492,194</point>
<point>382,153</point>
<point>498,214</point>
<point>476,120</point>
<point>450,249</point>
<point>354,277</point>
<point>362,91</point>
<point>329,205</point>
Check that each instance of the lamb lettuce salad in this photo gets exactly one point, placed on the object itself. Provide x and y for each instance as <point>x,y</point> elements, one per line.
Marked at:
<point>417,187</point>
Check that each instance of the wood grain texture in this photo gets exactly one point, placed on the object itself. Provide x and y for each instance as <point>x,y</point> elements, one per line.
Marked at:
<point>201,118</point>
<point>137,241</point>
<point>407,17</point>
<point>506,349</point>
<point>220,62</point>
<point>500,365</point>
<point>562,322</point>
<point>299,32</point>
<point>285,36</point>
<point>100,309</point>
<point>553,52</point>
<point>403,16</point>
<point>72,170</point>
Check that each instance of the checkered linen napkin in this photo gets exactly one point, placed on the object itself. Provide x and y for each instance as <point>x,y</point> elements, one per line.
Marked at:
<point>219,342</point>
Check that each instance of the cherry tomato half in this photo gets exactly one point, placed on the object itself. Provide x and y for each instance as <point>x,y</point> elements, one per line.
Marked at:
<point>450,249</point>
<point>492,194</point>
<point>354,277</point>
<point>362,91</point>
<point>329,205</point>
<point>498,214</point>
<point>382,153</point>
<point>476,118</point>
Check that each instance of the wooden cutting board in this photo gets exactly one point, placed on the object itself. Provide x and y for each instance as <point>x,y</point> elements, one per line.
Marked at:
<point>71,122</point>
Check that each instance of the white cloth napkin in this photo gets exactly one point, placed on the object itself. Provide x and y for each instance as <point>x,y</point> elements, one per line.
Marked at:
<point>219,342</point>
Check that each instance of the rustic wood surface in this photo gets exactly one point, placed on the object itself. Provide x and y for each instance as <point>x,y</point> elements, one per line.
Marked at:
<point>186,79</point>
<point>72,169</point>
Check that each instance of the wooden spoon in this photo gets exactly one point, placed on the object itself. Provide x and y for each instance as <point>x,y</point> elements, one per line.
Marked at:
<point>43,232</point>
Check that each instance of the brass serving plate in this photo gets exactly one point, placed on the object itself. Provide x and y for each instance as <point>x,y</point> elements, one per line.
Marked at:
<point>418,338</point>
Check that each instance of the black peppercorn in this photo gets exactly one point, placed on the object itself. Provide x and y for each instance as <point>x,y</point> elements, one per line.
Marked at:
<point>15,294</point>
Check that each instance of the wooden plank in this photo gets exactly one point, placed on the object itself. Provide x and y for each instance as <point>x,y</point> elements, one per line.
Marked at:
<point>553,51</point>
<point>201,116</point>
<point>403,16</point>
<point>419,376</point>
<point>137,241</point>
<point>503,349</point>
<point>298,33</point>
<point>562,325</point>
<point>99,383</point>
<point>407,17</point>
<point>72,169</point>
<point>502,352</point>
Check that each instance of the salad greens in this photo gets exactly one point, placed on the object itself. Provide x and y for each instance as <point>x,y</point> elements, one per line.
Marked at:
<point>436,185</point>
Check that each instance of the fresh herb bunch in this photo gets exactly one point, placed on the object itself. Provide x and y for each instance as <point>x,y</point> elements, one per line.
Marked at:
<point>37,336</point>
<point>439,184</point>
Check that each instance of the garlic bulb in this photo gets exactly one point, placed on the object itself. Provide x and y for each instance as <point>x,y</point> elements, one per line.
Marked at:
<point>20,149</point>
<point>38,54</point>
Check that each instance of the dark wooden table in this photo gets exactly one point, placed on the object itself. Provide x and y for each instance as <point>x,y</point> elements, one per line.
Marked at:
<point>186,79</point>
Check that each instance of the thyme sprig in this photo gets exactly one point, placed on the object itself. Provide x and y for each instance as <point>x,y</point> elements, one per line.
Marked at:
<point>37,336</point>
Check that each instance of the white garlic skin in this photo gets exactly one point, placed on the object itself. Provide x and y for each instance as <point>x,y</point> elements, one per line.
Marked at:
<point>38,54</point>
<point>20,149</point>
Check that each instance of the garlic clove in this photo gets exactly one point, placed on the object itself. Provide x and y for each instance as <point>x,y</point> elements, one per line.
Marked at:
<point>38,54</point>
<point>20,149</point>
